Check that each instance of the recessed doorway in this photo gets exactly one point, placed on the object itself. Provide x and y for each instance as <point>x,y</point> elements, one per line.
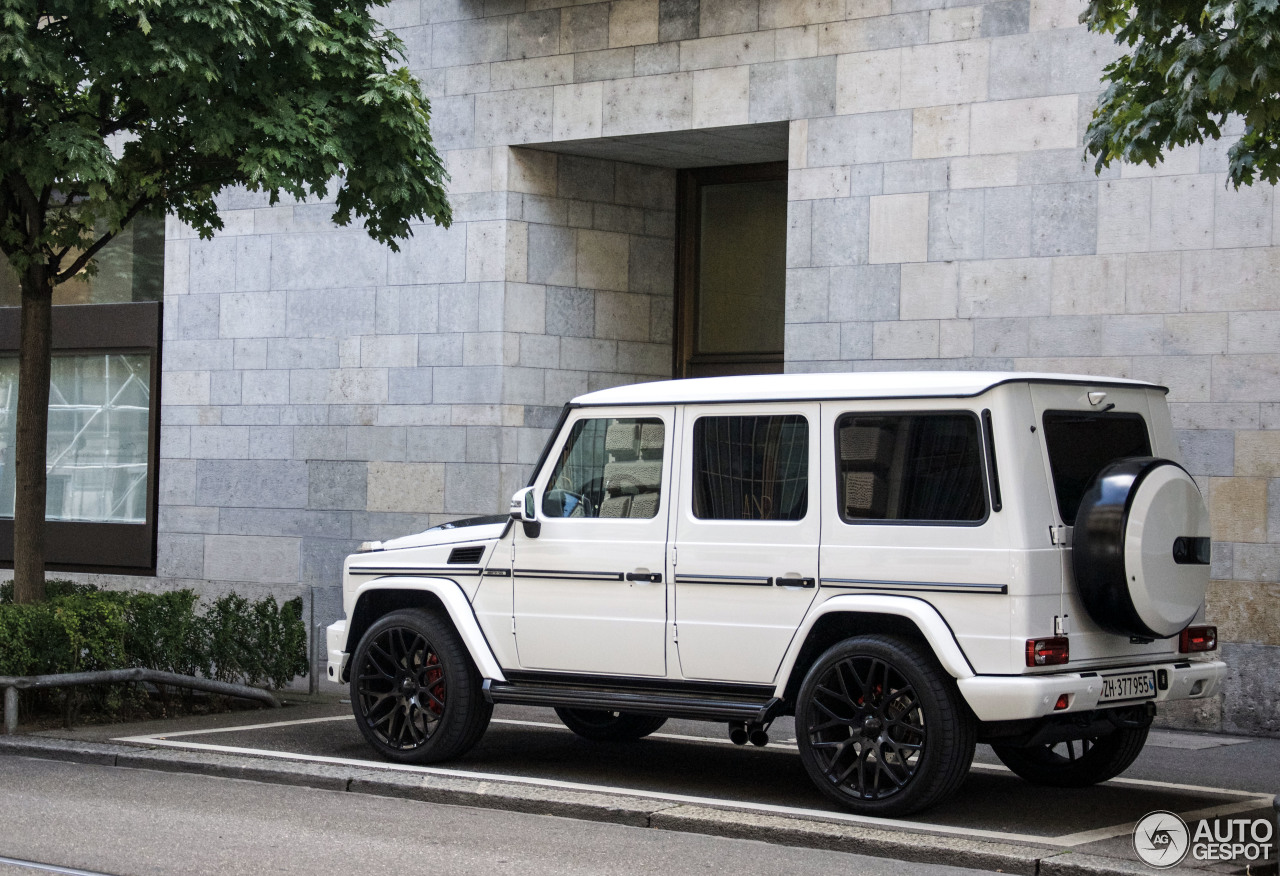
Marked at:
<point>731,239</point>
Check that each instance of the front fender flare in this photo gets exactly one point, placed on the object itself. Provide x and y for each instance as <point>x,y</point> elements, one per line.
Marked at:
<point>925,617</point>
<point>455,603</point>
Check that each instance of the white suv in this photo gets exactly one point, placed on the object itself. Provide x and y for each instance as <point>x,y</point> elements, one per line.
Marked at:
<point>908,563</point>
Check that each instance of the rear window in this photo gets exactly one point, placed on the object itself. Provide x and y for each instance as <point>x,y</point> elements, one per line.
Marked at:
<point>1080,444</point>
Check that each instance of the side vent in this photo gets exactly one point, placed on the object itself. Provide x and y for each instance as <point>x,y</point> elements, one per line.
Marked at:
<point>466,555</point>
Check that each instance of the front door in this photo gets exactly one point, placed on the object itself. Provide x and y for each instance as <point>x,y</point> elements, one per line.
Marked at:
<point>590,588</point>
<point>746,538</point>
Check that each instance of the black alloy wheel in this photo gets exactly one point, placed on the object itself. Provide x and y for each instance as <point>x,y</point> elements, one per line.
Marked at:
<point>415,691</point>
<point>1076,763</point>
<point>881,728</point>
<point>602,725</point>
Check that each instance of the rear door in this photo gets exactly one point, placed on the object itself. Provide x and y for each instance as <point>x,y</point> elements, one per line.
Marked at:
<point>746,537</point>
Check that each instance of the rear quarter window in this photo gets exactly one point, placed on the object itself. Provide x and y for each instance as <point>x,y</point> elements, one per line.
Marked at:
<point>910,468</point>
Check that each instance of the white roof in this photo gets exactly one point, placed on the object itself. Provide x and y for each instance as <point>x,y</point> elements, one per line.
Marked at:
<point>864,384</point>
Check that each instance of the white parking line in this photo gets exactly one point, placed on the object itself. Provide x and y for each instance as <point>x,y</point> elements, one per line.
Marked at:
<point>247,727</point>
<point>1245,801</point>
<point>50,868</point>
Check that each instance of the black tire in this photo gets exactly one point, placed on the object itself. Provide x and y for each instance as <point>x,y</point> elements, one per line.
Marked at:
<point>415,690</point>
<point>605,726</point>
<point>882,728</point>
<point>1078,763</point>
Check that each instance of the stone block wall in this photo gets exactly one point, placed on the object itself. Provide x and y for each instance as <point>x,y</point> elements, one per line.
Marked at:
<point>319,390</point>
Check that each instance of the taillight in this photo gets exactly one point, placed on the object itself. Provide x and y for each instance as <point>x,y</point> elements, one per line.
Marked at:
<point>1194,639</point>
<point>1048,652</point>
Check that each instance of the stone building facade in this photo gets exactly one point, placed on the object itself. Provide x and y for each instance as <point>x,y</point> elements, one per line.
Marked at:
<point>319,390</point>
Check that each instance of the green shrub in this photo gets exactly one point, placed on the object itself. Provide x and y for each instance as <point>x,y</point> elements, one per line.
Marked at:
<point>80,628</point>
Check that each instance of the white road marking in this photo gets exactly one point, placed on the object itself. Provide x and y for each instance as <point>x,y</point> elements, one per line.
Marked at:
<point>50,868</point>
<point>257,726</point>
<point>1101,833</point>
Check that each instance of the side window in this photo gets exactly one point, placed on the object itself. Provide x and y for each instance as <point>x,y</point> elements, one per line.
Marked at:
<point>751,468</point>
<point>608,468</point>
<point>911,467</point>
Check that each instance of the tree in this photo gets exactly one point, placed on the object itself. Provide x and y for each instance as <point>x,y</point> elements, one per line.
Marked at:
<point>113,108</point>
<point>1191,65</point>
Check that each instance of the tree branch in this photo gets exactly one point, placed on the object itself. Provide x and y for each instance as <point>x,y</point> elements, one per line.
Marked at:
<point>85,257</point>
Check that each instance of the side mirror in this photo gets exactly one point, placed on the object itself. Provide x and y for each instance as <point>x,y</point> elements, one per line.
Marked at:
<point>524,508</point>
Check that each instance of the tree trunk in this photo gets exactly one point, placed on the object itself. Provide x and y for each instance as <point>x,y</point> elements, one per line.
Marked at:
<point>34,344</point>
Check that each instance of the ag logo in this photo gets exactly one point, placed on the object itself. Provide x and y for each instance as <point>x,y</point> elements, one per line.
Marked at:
<point>1161,839</point>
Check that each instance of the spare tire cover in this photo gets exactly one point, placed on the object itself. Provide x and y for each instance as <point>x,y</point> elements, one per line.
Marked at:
<point>1140,548</point>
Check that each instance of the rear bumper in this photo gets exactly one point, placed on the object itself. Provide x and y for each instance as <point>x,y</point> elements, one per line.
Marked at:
<point>1012,698</point>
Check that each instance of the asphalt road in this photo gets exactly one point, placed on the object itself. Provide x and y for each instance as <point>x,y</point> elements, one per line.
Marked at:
<point>130,821</point>
<point>695,759</point>
<point>528,757</point>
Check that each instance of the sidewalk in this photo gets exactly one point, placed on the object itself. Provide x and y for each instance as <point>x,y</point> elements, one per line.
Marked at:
<point>688,778</point>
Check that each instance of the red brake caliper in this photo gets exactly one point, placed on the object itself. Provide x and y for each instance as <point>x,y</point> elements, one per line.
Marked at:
<point>435,683</point>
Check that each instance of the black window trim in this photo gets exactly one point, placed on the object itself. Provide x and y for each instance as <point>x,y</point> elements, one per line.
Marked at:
<point>978,431</point>
<point>78,546</point>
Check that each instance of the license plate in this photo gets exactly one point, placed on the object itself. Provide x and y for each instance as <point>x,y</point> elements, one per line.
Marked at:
<point>1129,686</point>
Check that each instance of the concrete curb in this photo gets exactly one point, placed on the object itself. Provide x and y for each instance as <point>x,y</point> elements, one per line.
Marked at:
<point>903,845</point>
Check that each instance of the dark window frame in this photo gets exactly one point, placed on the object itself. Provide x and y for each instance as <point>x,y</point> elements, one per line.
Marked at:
<point>87,329</point>
<point>984,481</point>
<point>688,227</point>
<point>694,459</point>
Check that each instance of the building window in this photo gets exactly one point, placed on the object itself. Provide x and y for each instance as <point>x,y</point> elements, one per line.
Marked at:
<point>130,268</point>
<point>99,423</point>
<point>731,274</point>
<point>103,437</point>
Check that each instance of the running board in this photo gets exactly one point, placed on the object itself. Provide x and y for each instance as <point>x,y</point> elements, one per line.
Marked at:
<point>639,702</point>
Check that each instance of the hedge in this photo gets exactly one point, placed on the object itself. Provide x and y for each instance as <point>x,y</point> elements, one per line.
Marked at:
<point>81,628</point>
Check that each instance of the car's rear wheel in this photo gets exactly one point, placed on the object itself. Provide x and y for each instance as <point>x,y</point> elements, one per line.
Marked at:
<point>881,727</point>
<point>1076,763</point>
<point>606,726</point>
<point>415,690</point>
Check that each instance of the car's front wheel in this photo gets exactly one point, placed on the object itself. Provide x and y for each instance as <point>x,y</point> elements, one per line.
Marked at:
<point>881,727</point>
<point>1076,763</point>
<point>605,726</point>
<point>415,690</point>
